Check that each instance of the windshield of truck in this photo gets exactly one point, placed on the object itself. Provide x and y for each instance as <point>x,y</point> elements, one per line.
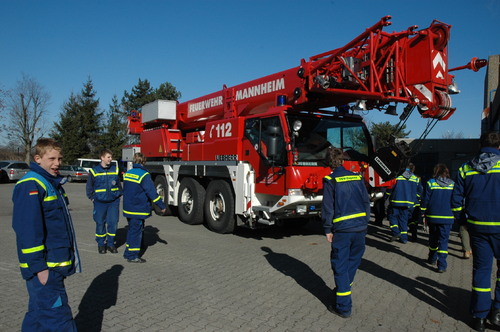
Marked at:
<point>318,133</point>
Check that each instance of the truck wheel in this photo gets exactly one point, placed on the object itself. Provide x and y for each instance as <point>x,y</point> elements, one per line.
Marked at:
<point>190,201</point>
<point>161,189</point>
<point>219,207</point>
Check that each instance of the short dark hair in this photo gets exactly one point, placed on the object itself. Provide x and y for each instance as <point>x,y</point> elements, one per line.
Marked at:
<point>441,171</point>
<point>490,140</point>
<point>105,152</point>
<point>334,157</point>
<point>411,167</point>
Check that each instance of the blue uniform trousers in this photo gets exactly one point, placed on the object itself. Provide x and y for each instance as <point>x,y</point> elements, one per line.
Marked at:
<point>398,221</point>
<point>347,250</point>
<point>106,217</point>
<point>134,238</point>
<point>438,243</point>
<point>48,308</point>
<point>484,248</point>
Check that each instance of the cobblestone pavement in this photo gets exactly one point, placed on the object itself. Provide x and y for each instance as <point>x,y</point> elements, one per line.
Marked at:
<point>255,280</point>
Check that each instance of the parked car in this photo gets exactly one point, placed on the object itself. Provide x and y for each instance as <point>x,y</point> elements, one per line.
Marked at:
<point>15,169</point>
<point>73,173</point>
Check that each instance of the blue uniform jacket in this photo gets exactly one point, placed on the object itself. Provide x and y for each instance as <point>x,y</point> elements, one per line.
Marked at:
<point>406,191</point>
<point>138,193</point>
<point>346,204</point>
<point>477,191</point>
<point>436,203</point>
<point>44,230</point>
<point>103,184</point>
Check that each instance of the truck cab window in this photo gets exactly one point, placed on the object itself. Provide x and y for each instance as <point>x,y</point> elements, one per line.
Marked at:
<point>266,136</point>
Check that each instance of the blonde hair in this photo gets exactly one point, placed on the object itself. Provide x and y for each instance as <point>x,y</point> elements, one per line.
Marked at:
<point>44,145</point>
<point>139,158</point>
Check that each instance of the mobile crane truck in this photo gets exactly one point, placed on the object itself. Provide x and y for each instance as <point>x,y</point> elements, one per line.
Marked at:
<point>253,154</point>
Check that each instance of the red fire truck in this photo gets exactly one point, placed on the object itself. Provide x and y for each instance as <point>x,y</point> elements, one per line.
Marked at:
<point>253,154</point>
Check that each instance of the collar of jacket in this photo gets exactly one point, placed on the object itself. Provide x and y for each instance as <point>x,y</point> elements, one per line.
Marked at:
<point>54,180</point>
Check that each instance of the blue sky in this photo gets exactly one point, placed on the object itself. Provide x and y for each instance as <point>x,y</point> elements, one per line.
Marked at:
<point>200,45</point>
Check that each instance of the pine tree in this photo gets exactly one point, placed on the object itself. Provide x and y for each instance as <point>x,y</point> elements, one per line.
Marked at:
<point>141,94</point>
<point>78,130</point>
<point>114,135</point>
<point>383,132</point>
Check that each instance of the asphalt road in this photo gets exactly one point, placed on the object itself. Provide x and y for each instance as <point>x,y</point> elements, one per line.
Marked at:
<point>275,279</point>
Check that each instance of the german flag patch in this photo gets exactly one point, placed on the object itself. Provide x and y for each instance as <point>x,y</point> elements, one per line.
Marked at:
<point>34,192</point>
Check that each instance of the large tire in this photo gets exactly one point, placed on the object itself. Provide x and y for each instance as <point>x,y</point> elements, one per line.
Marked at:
<point>190,201</point>
<point>219,207</point>
<point>161,189</point>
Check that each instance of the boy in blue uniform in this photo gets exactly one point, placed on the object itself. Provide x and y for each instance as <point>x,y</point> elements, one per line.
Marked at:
<point>436,206</point>
<point>477,192</point>
<point>46,243</point>
<point>403,197</point>
<point>345,214</point>
<point>104,190</point>
<point>138,193</point>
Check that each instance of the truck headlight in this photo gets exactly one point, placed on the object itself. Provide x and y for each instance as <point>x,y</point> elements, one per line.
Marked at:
<point>295,192</point>
<point>301,208</point>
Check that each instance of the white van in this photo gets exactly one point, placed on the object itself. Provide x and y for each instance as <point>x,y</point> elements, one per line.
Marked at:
<point>87,164</point>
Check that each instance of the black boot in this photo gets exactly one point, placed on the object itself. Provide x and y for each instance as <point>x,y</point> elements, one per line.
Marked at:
<point>494,317</point>
<point>101,249</point>
<point>478,324</point>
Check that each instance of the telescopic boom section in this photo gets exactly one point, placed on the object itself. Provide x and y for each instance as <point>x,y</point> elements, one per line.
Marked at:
<point>376,70</point>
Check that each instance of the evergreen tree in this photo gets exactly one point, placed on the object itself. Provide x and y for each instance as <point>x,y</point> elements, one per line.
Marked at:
<point>383,132</point>
<point>143,93</point>
<point>114,135</point>
<point>78,130</point>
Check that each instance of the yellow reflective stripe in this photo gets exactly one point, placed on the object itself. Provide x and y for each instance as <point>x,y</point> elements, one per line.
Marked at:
<point>392,226</point>
<point>133,249</point>
<point>23,265</point>
<point>137,213</point>
<point>103,174</point>
<point>348,178</point>
<point>457,209</point>
<point>100,190</point>
<point>344,293</point>
<point>481,289</point>
<point>433,249</point>
<point>362,214</point>
<point>33,179</point>
<point>484,223</point>
<point>52,264</point>
<point>328,177</point>
<point>442,217</point>
<point>402,202</point>
<point>111,234</point>
<point>442,251</point>
<point>32,250</point>
<point>100,235</point>
<point>48,198</point>
<point>115,189</point>
<point>157,199</point>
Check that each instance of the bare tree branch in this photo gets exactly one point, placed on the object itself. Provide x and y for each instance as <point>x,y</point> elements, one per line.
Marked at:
<point>27,103</point>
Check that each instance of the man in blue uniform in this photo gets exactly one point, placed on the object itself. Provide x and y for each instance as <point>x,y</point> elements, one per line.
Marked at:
<point>345,214</point>
<point>403,197</point>
<point>436,206</point>
<point>477,192</point>
<point>138,193</point>
<point>46,243</point>
<point>104,189</point>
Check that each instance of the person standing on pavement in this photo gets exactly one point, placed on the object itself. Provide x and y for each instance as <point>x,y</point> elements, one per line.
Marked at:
<point>104,190</point>
<point>138,193</point>
<point>404,195</point>
<point>46,243</point>
<point>477,193</point>
<point>436,207</point>
<point>345,214</point>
